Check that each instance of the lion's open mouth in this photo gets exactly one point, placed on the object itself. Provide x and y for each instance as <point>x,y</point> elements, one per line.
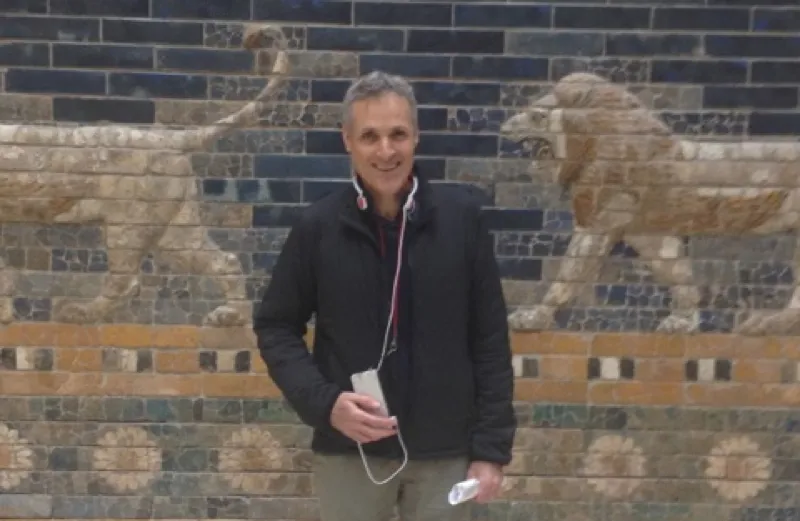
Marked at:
<point>533,146</point>
<point>539,146</point>
<point>542,148</point>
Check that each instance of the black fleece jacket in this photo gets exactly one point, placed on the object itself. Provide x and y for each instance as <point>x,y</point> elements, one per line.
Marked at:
<point>452,390</point>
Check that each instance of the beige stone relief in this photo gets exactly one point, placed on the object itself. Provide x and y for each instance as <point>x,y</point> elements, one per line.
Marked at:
<point>614,466</point>
<point>16,458</point>
<point>248,457</point>
<point>738,469</point>
<point>138,184</point>
<point>127,459</point>
<point>630,178</point>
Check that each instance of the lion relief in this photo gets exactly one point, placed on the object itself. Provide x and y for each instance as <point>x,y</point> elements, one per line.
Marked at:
<point>138,185</point>
<point>630,178</point>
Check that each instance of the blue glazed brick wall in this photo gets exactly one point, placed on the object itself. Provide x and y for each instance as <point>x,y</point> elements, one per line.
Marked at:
<point>718,68</point>
<point>153,417</point>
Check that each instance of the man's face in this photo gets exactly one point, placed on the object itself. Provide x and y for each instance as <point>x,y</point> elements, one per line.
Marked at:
<point>381,139</point>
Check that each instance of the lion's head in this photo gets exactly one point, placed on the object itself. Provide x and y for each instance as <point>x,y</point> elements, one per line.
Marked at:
<point>573,96</point>
<point>582,114</point>
<point>582,90</point>
<point>537,123</point>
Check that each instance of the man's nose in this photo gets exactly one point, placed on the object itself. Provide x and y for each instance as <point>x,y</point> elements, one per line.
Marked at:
<point>386,148</point>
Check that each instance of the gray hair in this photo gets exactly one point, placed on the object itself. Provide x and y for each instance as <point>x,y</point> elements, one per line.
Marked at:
<point>376,84</point>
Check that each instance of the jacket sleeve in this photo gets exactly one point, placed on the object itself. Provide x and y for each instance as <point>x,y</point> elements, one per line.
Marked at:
<point>280,324</point>
<point>494,431</point>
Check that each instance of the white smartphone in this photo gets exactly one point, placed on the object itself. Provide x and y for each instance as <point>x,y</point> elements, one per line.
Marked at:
<point>368,383</point>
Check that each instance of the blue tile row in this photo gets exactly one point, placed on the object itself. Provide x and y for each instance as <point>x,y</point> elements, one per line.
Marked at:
<point>153,32</point>
<point>759,284</point>
<point>172,423</point>
<point>619,319</point>
<point>138,8</point>
<point>197,86</point>
<point>263,142</point>
<point>301,189</point>
<point>199,60</point>
<point>476,127</point>
<point>15,54</point>
<point>88,110</point>
<point>500,69</point>
<point>715,97</point>
<point>721,15</point>
<point>49,28</point>
<point>431,144</point>
<point>283,215</point>
<point>279,166</point>
<point>102,56</point>
<point>636,309</point>
<point>583,32</point>
<point>25,6</point>
<point>133,8</point>
<point>489,88</point>
<point>208,9</point>
<point>125,84</point>
<point>725,123</point>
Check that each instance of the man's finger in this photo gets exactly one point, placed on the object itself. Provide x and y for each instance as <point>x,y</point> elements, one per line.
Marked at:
<point>359,437</point>
<point>362,401</point>
<point>367,434</point>
<point>492,489</point>
<point>376,422</point>
<point>487,489</point>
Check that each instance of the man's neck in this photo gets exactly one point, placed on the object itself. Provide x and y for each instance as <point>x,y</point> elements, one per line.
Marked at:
<point>388,207</point>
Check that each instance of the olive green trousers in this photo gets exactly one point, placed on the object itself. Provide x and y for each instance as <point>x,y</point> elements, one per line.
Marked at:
<point>418,493</point>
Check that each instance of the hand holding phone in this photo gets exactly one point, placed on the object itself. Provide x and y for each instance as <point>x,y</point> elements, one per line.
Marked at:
<point>361,418</point>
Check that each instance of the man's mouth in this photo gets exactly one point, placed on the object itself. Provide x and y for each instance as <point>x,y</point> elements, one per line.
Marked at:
<point>386,168</point>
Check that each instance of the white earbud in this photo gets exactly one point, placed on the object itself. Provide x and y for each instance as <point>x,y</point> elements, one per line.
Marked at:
<point>409,204</point>
<point>361,199</point>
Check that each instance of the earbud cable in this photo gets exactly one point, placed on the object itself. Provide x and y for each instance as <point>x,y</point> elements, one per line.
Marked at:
<point>409,204</point>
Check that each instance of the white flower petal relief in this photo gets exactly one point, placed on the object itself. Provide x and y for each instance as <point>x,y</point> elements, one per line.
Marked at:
<point>614,466</point>
<point>738,469</point>
<point>16,458</point>
<point>127,459</point>
<point>248,455</point>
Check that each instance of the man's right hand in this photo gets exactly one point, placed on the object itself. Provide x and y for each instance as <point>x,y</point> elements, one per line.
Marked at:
<point>359,418</point>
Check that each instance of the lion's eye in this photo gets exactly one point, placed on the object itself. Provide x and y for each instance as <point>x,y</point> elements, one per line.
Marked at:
<point>536,117</point>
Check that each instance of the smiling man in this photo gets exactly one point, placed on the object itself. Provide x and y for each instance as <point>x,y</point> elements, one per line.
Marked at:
<point>402,278</point>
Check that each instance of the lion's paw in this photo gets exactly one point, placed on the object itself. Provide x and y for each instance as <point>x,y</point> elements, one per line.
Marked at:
<point>680,323</point>
<point>770,323</point>
<point>225,316</point>
<point>76,313</point>
<point>536,319</point>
